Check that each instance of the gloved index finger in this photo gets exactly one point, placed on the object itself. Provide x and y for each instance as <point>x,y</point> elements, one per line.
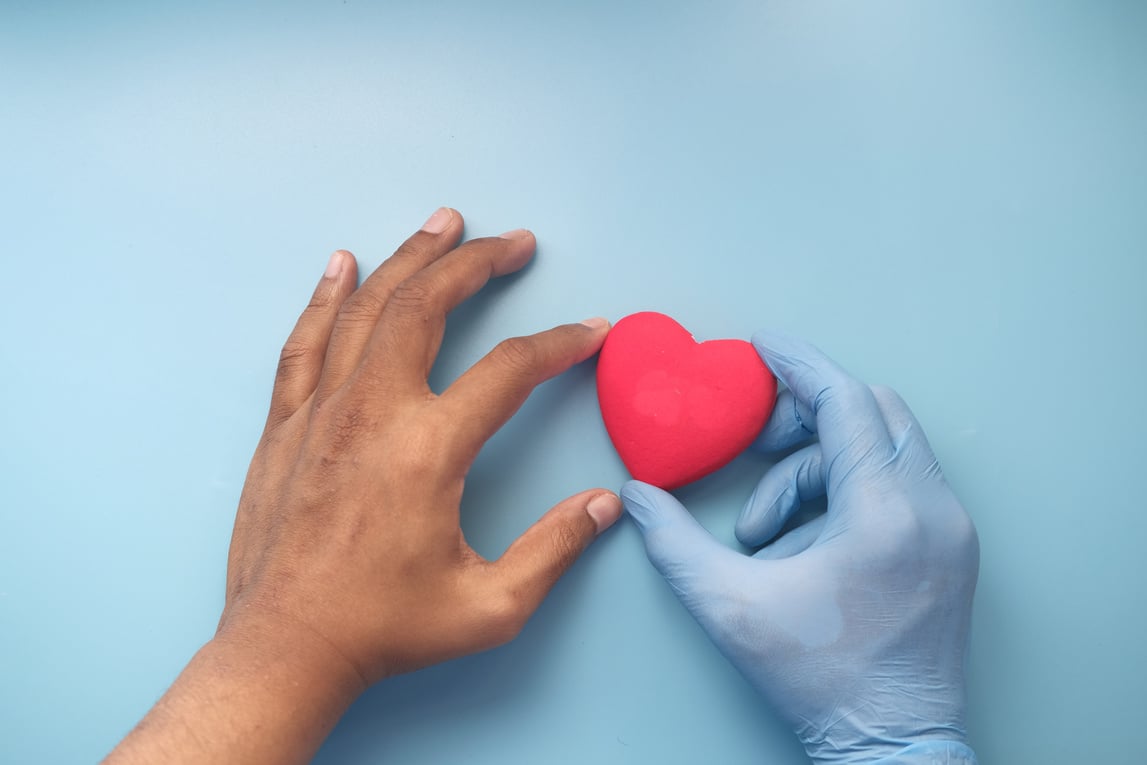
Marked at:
<point>848,420</point>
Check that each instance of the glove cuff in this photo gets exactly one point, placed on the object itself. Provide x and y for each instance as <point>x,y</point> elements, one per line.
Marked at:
<point>932,753</point>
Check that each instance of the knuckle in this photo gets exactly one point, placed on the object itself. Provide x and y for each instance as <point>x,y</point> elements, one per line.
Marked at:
<point>850,390</point>
<point>903,525</point>
<point>505,616</point>
<point>413,296</point>
<point>882,391</point>
<point>361,308</point>
<point>418,457</point>
<point>519,353</point>
<point>408,250</point>
<point>846,394</point>
<point>901,529</point>
<point>294,355</point>
<point>319,301</point>
<point>965,539</point>
<point>566,544</point>
<point>885,394</point>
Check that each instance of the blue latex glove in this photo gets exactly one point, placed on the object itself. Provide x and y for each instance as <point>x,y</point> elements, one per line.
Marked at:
<point>854,626</point>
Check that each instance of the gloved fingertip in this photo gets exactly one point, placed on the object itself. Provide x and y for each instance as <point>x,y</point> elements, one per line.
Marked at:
<point>671,535</point>
<point>641,501</point>
<point>768,340</point>
<point>634,487</point>
<point>746,517</point>
<point>760,519</point>
<point>633,491</point>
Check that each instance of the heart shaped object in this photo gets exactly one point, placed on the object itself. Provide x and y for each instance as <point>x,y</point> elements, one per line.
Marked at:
<point>675,409</point>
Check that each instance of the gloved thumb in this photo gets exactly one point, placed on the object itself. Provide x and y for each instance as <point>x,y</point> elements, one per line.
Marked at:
<point>677,545</point>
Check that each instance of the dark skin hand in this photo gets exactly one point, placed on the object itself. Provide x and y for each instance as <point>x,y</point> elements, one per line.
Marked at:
<point>347,562</point>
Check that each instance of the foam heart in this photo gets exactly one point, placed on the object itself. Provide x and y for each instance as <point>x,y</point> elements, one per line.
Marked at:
<point>675,409</point>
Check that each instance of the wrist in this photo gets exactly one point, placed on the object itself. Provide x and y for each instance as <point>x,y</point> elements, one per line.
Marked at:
<point>276,646</point>
<point>932,753</point>
<point>940,745</point>
<point>260,691</point>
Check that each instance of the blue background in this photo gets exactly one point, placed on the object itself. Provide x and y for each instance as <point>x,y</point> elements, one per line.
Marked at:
<point>947,197</point>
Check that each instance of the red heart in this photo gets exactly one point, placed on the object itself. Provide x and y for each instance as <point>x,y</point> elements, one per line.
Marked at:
<point>675,409</point>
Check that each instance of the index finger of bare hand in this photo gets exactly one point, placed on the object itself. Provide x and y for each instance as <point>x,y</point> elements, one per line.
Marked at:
<point>492,390</point>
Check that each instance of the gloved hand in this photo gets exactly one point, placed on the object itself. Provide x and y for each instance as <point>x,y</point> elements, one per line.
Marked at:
<point>854,626</point>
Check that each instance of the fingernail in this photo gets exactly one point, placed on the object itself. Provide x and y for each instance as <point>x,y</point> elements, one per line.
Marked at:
<point>605,509</point>
<point>596,322</point>
<point>334,265</point>
<point>438,222</point>
<point>518,233</point>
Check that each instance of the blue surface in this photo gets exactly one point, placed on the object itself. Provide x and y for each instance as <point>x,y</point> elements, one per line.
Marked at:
<point>949,198</point>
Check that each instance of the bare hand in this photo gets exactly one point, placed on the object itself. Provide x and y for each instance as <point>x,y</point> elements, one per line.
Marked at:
<point>348,524</point>
<point>347,563</point>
